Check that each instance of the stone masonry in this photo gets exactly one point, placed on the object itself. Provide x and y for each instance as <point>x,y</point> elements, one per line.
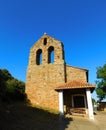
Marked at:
<point>42,78</point>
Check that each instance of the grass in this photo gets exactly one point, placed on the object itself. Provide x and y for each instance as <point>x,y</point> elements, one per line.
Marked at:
<point>21,116</point>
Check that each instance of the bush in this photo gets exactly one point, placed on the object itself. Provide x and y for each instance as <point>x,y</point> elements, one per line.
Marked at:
<point>10,88</point>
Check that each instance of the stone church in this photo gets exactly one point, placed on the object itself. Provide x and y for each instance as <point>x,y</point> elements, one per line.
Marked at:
<point>53,84</point>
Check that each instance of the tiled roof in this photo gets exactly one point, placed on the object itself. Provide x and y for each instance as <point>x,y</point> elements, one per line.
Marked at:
<point>75,84</point>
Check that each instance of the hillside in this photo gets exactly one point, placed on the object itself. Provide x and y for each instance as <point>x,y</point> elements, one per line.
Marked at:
<point>21,116</point>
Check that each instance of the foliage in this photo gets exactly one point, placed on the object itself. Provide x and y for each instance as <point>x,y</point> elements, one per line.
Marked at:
<point>4,76</point>
<point>101,83</point>
<point>10,88</point>
<point>93,101</point>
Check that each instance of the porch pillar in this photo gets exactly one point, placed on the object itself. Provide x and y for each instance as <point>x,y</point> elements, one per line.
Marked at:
<point>89,102</point>
<point>61,103</point>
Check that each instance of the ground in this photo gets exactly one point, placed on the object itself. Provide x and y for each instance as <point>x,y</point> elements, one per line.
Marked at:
<point>21,116</point>
<point>81,123</point>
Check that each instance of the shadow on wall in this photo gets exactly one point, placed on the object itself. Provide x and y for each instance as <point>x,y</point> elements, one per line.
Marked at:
<point>21,116</point>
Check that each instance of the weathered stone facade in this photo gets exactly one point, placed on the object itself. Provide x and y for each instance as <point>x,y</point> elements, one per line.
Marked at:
<point>78,74</point>
<point>43,78</point>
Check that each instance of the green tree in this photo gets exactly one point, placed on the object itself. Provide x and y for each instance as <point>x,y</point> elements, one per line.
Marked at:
<point>15,88</point>
<point>93,101</point>
<point>101,82</point>
<point>4,76</point>
<point>10,87</point>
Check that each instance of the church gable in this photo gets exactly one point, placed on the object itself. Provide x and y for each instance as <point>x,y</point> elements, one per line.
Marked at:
<point>44,48</point>
<point>44,73</point>
<point>46,39</point>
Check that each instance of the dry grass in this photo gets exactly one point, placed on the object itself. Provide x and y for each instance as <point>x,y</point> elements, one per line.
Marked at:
<point>21,116</point>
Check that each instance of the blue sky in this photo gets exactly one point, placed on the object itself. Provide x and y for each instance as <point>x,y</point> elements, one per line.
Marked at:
<point>79,24</point>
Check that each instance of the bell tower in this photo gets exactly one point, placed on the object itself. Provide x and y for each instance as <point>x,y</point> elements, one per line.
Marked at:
<point>46,70</point>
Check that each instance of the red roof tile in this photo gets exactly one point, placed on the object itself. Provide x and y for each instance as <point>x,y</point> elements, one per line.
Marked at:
<point>75,84</point>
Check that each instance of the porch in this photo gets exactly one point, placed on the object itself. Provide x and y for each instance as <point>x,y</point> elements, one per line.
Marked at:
<point>75,102</point>
<point>75,98</point>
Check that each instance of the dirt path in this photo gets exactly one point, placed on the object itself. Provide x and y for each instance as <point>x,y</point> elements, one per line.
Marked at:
<point>80,123</point>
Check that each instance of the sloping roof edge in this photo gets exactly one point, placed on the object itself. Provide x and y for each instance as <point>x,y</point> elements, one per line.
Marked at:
<point>76,67</point>
<point>75,85</point>
<point>45,35</point>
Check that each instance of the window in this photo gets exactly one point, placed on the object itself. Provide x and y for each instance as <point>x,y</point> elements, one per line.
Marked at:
<point>51,54</point>
<point>45,41</point>
<point>39,57</point>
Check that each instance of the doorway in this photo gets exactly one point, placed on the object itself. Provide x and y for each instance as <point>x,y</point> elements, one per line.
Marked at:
<point>78,101</point>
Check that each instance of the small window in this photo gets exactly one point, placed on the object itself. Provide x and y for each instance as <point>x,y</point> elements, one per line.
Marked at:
<point>45,41</point>
<point>39,57</point>
<point>51,54</point>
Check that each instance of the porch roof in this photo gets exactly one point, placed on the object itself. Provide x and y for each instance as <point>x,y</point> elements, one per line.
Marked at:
<point>75,84</point>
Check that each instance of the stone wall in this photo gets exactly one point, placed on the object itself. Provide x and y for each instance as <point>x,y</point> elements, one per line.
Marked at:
<point>74,73</point>
<point>42,79</point>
